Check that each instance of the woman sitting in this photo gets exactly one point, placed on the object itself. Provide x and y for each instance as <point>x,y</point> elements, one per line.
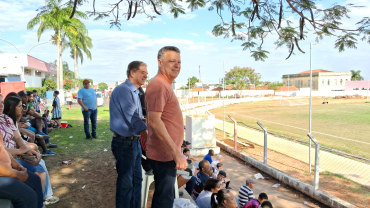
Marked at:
<point>20,186</point>
<point>225,199</point>
<point>16,145</point>
<point>212,186</point>
<point>11,103</point>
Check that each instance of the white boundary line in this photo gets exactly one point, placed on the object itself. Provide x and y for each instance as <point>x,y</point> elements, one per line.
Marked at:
<point>303,129</point>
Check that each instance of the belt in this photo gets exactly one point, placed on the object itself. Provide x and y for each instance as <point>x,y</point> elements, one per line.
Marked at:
<point>129,137</point>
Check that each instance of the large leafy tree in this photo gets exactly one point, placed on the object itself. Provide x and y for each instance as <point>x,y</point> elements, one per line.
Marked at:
<point>356,75</point>
<point>103,86</point>
<point>192,81</point>
<point>54,16</point>
<point>242,77</point>
<point>254,21</point>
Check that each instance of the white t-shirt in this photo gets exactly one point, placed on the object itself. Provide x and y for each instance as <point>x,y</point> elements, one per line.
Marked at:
<point>69,96</point>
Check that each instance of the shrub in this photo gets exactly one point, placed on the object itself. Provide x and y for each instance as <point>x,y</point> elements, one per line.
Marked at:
<point>50,84</point>
<point>40,90</point>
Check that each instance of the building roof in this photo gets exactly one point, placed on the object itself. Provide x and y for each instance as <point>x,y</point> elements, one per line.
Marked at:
<point>314,71</point>
<point>265,87</point>
<point>41,65</point>
<point>286,88</point>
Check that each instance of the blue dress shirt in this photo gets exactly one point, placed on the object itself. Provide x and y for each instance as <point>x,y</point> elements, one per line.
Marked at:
<point>125,110</point>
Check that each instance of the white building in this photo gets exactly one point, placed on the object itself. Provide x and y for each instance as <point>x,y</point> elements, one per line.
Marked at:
<point>22,67</point>
<point>322,80</point>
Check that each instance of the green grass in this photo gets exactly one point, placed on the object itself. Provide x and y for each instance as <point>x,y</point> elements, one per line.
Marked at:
<point>78,143</point>
<point>349,119</point>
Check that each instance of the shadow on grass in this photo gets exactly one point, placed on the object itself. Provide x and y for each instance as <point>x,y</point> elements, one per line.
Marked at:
<point>91,170</point>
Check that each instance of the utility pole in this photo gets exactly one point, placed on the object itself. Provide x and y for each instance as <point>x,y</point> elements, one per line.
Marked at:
<point>200,78</point>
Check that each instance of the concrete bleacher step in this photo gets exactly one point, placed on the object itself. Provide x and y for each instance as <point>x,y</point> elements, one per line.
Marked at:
<point>4,203</point>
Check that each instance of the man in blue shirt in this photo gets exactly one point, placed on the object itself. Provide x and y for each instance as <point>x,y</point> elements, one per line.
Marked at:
<point>87,100</point>
<point>201,178</point>
<point>208,157</point>
<point>127,125</point>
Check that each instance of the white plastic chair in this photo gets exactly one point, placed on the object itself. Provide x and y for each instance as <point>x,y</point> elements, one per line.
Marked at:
<point>147,180</point>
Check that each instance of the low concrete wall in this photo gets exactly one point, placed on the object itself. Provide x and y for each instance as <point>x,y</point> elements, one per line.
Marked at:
<point>295,183</point>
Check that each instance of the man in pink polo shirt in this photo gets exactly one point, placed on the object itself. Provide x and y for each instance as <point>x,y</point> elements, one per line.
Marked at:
<point>165,127</point>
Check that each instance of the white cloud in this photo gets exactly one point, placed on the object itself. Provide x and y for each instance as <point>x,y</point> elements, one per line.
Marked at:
<point>194,34</point>
<point>209,33</point>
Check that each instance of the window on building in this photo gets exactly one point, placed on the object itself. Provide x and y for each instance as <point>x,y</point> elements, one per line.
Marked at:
<point>328,82</point>
<point>335,82</point>
<point>299,83</point>
<point>323,82</point>
<point>341,81</point>
<point>38,74</point>
<point>27,71</point>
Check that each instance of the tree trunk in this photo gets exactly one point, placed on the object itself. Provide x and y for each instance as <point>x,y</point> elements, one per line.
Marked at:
<point>76,68</point>
<point>60,62</point>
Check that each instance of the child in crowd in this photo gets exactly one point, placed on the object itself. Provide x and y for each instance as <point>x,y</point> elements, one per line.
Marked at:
<point>56,111</point>
<point>219,167</point>
<point>186,153</point>
<point>255,203</point>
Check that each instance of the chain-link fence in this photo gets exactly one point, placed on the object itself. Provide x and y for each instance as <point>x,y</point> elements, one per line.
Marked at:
<point>337,172</point>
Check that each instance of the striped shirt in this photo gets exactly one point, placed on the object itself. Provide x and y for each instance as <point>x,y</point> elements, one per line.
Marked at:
<point>37,100</point>
<point>245,195</point>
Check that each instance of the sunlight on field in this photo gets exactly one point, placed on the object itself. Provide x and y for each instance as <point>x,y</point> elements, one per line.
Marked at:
<point>342,124</point>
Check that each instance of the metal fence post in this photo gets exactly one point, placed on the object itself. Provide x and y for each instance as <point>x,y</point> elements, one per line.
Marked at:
<point>235,134</point>
<point>265,143</point>
<point>317,159</point>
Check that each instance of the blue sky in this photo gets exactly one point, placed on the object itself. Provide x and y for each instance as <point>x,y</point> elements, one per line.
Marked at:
<point>140,39</point>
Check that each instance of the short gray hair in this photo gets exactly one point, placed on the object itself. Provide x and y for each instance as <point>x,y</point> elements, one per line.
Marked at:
<point>218,157</point>
<point>133,66</point>
<point>166,48</point>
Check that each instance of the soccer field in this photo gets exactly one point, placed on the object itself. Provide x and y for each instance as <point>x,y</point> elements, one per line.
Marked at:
<point>343,124</point>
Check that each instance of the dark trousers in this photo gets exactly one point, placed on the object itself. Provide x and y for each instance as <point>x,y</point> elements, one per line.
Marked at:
<point>164,177</point>
<point>127,153</point>
<point>145,163</point>
<point>90,115</point>
<point>22,195</point>
<point>45,131</point>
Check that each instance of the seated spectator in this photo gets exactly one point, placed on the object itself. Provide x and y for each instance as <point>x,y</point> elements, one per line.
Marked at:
<point>223,199</point>
<point>186,153</point>
<point>266,204</point>
<point>10,109</point>
<point>218,160</point>
<point>246,192</point>
<point>208,157</point>
<point>222,178</point>
<point>185,175</point>
<point>202,176</point>
<point>15,145</point>
<point>210,187</point>
<point>187,144</point>
<point>195,184</point>
<point>218,168</point>
<point>17,184</point>
<point>255,203</point>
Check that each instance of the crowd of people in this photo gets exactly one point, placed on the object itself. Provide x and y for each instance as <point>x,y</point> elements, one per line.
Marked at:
<point>148,134</point>
<point>24,178</point>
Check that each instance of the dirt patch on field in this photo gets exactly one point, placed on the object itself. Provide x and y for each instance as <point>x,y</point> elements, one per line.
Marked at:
<point>333,184</point>
<point>89,181</point>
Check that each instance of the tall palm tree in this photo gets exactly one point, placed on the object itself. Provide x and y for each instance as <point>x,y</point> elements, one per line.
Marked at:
<point>54,16</point>
<point>78,44</point>
<point>356,75</point>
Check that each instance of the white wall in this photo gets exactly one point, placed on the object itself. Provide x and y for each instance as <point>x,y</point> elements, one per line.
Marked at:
<point>185,93</point>
<point>324,93</point>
